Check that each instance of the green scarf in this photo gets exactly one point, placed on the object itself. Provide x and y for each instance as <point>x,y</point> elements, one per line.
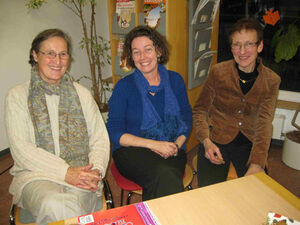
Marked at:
<point>73,135</point>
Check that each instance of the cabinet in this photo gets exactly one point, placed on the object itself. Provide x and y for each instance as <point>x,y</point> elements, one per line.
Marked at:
<point>177,32</point>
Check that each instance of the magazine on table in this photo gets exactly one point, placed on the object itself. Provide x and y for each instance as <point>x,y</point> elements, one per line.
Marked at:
<point>135,214</point>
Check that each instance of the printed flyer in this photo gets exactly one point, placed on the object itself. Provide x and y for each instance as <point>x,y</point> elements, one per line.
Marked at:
<point>124,8</point>
<point>136,214</point>
<point>123,62</point>
<point>152,11</point>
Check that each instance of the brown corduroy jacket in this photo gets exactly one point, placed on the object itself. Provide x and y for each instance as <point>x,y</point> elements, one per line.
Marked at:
<point>222,110</point>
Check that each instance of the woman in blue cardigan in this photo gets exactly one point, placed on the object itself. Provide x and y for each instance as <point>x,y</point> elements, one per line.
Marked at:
<point>150,117</point>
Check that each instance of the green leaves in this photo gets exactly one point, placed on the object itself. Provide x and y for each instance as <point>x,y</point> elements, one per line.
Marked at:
<point>286,44</point>
<point>99,47</point>
<point>35,4</point>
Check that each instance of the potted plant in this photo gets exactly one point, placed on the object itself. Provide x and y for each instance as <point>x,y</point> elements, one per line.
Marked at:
<point>291,146</point>
<point>97,49</point>
<point>286,42</point>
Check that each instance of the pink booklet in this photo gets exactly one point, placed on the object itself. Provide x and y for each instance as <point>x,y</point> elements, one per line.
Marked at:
<point>136,214</point>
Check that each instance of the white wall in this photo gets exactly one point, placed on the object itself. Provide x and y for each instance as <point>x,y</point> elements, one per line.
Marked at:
<point>18,27</point>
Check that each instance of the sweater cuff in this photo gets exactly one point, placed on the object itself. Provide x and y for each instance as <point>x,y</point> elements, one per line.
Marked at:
<point>63,172</point>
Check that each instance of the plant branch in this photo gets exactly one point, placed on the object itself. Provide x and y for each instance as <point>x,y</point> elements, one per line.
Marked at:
<point>69,7</point>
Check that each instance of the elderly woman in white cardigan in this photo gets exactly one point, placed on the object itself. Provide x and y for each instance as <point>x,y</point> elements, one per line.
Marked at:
<point>57,137</point>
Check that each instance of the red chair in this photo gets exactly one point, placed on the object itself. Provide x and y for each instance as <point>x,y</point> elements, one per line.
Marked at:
<point>132,187</point>
<point>125,184</point>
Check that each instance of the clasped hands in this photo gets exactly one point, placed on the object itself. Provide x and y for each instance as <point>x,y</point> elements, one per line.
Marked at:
<point>165,149</point>
<point>84,177</point>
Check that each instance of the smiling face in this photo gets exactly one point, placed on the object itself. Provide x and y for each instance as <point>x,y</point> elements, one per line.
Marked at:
<point>144,55</point>
<point>245,49</point>
<point>52,70</point>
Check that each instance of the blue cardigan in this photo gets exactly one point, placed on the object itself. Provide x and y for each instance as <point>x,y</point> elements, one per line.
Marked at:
<point>125,107</point>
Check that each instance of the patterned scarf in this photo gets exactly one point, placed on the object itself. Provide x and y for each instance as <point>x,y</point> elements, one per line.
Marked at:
<point>153,127</point>
<point>73,135</point>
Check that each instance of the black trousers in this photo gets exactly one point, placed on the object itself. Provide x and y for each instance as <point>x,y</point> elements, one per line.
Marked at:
<point>209,173</point>
<point>157,176</point>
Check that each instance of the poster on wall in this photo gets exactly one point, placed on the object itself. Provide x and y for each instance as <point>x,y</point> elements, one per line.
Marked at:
<point>124,8</point>
<point>152,12</point>
<point>122,62</point>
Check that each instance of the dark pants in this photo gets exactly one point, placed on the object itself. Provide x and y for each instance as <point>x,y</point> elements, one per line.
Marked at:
<point>157,176</point>
<point>209,173</point>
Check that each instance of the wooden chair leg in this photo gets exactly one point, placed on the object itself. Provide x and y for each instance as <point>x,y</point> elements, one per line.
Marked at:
<point>189,187</point>
<point>194,163</point>
<point>108,195</point>
<point>12,214</point>
<point>122,192</point>
<point>128,197</point>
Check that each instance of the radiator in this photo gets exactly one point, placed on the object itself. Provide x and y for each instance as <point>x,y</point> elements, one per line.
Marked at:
<point>278,125</point>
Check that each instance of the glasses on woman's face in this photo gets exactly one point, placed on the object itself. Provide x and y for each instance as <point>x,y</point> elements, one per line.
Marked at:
<point>247,46</point>
<point>52,55</point>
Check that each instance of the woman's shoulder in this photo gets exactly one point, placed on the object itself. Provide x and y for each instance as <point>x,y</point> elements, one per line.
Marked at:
<point>20,90</point>
<point>224,64</point>
<point>81,88</point>
<point>125,82</point>
<point>84,94</point>
<point>270,74</point>
<point>175,76</point>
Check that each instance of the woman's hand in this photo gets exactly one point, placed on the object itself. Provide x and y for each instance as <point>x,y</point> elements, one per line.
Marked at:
<point>164,149</point>
<point>84,177</point>
<point>254,168</point>
<point>212,152</point>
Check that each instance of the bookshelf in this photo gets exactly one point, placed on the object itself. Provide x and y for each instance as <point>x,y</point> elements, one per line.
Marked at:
<point>177,34</point>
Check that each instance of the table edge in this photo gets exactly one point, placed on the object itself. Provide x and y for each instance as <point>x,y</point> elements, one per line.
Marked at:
<point>279,189</point>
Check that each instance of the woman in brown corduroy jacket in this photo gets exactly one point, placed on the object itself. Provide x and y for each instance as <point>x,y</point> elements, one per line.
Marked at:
<point>234,112</point>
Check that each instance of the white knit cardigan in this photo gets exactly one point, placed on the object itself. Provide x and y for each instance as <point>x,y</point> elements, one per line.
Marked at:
<point>32,163</point>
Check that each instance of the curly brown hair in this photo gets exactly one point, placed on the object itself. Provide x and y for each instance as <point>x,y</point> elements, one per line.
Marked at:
<point>44,35</point>
<point>160,43</point>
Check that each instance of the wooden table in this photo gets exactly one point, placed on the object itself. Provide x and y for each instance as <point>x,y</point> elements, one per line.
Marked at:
<point>246,200</point>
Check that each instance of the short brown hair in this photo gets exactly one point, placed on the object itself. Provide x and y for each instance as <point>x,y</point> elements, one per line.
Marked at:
<point>247,24</point>
<point>159,42</point>
<point>44,35</point>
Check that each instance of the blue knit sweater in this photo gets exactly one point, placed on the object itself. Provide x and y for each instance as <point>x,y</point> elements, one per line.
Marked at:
<point>125,107</point>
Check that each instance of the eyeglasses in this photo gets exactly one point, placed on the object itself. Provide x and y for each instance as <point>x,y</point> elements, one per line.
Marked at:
<point>247,45</point>
<point>52,55</point>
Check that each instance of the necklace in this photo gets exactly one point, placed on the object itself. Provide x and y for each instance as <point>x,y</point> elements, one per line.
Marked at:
<point>246,81</point>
